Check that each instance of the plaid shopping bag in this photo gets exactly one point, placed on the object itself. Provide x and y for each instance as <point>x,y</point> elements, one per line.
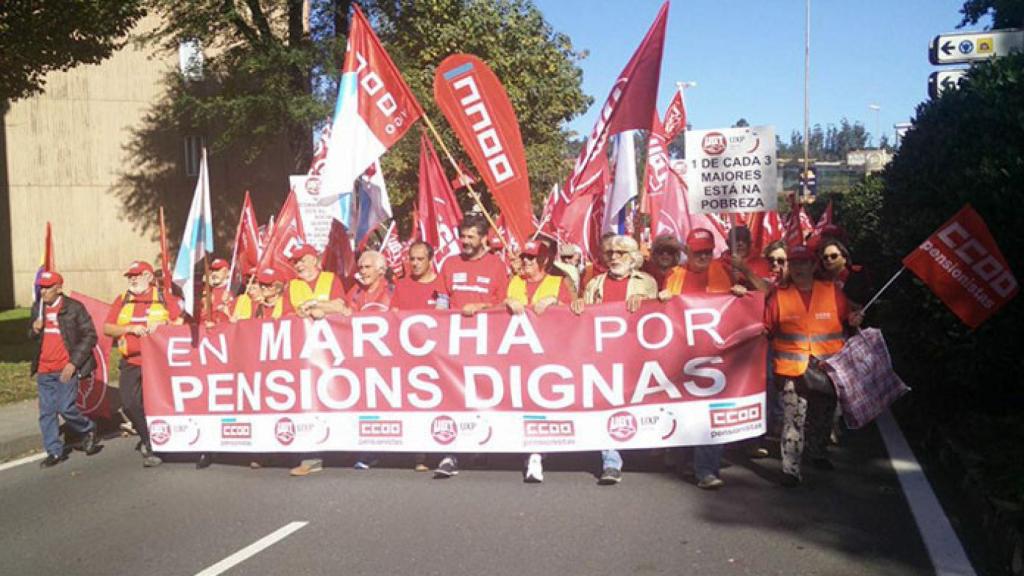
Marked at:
<point>864,378</point>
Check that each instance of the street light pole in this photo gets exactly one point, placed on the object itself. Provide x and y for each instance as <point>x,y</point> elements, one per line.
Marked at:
<point>877,109</point>
<point>807,96</point>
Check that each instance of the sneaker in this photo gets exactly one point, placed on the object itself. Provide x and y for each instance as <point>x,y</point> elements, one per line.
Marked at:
<point>204,460</point>
<point>610,476</point>
<point>790,481</point>
<point>758,453</point>
<point>823,464</point>
<point>308,467</point>
<point>710,482</point>
<point>361,465</point>
<point>447,468</point>
<point>421,467</point>
<point>534,470</point>
<point>50,461</point>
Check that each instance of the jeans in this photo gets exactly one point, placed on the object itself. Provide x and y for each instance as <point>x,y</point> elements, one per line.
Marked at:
<point>611,459</point>
<point>59,398</point>
<point>707,460</point>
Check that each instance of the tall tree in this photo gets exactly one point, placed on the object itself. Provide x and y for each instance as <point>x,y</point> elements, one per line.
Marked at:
<point>41,36</point>
<point>1005,13</point>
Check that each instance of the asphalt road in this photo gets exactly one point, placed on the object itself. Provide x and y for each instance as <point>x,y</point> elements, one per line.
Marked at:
<point>106,515</point>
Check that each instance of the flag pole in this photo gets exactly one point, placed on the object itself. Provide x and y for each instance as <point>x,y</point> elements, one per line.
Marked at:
<point>879,293</point>
<point>473,193</point>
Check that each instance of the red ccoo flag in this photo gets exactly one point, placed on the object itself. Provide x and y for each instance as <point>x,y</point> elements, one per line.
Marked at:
<point>245,255</point>
<point>92,397</point>
<point>962,264</point>
<point>631,104</point>
<point>439,213</point>
<point>477,107</point>
<point>675,117</point>
<point>286,237</point>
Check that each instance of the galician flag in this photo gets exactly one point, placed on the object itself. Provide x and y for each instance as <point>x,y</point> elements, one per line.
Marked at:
<point>375,109</point>
<point>197,242</point>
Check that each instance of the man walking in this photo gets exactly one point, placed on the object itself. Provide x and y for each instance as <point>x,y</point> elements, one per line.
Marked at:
<point>66,337</point>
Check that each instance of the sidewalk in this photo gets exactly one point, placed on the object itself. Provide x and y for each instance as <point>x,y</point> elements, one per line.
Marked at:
<point>19,429</point>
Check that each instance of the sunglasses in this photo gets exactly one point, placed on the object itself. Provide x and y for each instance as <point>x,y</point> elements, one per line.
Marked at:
<point>776,260</point>
<point>569,258</point>
<point>527,257</point>
<point>831,256</point>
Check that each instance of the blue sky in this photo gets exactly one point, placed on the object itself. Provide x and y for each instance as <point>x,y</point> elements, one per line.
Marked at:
<point>748,56</point>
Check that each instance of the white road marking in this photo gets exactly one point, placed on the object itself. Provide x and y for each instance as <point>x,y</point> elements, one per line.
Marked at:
<point>944,548</point>
<point>20,461</point>
<point>252,549</point>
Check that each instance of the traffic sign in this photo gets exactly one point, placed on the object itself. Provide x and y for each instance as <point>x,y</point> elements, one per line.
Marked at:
<point>974,46</point>
<point>939,82</point>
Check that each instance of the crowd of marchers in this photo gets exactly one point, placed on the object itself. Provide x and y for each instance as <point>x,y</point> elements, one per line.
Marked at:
<point>813,299</point>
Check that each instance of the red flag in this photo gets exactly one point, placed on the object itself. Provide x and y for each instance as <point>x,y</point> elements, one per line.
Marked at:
<point>477,107</point>
<point>962,264</point>
<point>245,255</point>
<point>573,220</point>
<point>658,174</point>
<point>286,236</point>
<point>338,256</point>
<point>316,165</point>
<point>92,397</point>
<point>463,178</point>
<point>439,212</point>
<point>675,117</point>
<point>46,264</point>
<point>794,223</point>
<point>825,220</point>
<point>394,251</point>
<point>165,262</point>
<point>631,104</point>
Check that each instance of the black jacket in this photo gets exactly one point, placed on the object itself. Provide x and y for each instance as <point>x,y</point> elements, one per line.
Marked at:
<point>78,332</point>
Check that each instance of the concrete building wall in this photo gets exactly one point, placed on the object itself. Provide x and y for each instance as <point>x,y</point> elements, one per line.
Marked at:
<point>65,150</point>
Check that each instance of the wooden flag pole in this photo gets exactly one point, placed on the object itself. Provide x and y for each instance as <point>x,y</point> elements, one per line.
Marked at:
<point>473,193</point>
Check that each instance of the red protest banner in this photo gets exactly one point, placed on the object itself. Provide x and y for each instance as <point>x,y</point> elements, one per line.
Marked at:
<point>962,264</point>
<point>476,105</point>
<point>688,372</point>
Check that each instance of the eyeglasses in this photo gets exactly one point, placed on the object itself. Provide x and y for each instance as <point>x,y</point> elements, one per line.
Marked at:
<point>831,256</point>
<point>776,261</point>
<point>615,253</point>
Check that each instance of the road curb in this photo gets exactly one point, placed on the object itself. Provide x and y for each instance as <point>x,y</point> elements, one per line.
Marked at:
<point>19,446</point>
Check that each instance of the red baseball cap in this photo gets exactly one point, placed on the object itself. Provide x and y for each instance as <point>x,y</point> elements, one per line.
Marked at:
<point>800,253</point>
<point>47,279</point>
<point>494,243</point>
<point>531,248</point>
<point>267,276</point>
<point>218,263</point>
<point>700,240</point>
<point>138,267</point>
<point>304,250</point>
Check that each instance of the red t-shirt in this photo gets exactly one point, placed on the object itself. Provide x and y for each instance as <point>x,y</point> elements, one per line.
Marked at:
<point>53,355</point>
<point>615,289</point>
<point>565,295</point>
<point>412,295</point>
<point>359,298</point>
<point>337,293</point>
<point>483,280</point>
<point>221,307</point>
<point>140,318</point>
<point>771,308</point>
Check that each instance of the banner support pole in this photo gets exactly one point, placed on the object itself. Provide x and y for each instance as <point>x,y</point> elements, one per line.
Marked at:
<point>879,293</point>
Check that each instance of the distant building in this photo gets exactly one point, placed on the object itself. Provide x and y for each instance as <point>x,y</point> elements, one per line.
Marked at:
<point>65,157</point>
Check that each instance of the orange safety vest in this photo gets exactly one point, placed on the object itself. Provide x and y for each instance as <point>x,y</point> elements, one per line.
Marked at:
<point>299,292</point>
<point>154,313</point>
<point>805,332</point>
<point>718,279</point>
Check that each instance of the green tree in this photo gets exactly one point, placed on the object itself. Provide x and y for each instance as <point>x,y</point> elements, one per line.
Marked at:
<point>38,37</point>
<point>1005,13</point>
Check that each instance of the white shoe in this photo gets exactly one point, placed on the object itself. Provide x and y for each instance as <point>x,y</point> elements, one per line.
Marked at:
<point>534,470</point>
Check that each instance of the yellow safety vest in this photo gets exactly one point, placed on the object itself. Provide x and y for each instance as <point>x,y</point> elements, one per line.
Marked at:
<point>299,292</point>
<point>154,313</point>
<point>549,288</point>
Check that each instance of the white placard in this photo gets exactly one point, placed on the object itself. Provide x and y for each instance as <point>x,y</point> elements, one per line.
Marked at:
<point>317,210</point>
<point>731,170</point>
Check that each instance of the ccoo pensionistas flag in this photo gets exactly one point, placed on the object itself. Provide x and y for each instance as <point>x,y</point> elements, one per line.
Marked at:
<point>476,105</point>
